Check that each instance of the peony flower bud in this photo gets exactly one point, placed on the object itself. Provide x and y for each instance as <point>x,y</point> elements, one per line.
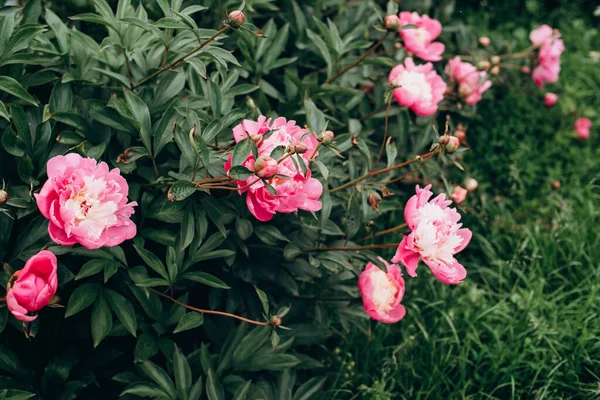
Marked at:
<point>471,184</point>
<point>300,148</point>
<point>257,139</point>
<point>484,65</point>
<point>444,140</point>
<point>265,167</point>
<point>550,99</point>
<point>556,185</point>
<point>484,41</point>
<point>3,197</point>
<point>236,18</point>
<point>275,321</point>
<point>495,60</point>
<point>495,70</point>
<point>460,134</point>
<point>327,138</point>
<point>452,145</point>
<point>459,194</point>
<point>392,22</point>
<point>582,127</point>
<point>525,69</point>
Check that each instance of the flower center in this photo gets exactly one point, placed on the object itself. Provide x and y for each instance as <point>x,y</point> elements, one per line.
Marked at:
<point>414,83</point>
<point>384,291</point>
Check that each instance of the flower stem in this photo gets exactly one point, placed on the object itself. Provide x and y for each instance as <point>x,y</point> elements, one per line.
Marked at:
<point>385,232</point>
<point>183,57</point>
<point>203,311</point>
<point>385,130</point>
<point>356,248</point>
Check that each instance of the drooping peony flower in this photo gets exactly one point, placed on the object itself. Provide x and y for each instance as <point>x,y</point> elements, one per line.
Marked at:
<point>418,87</point>
<point>34,287</point>
<point>582,127</point>
<point>86,203</point>
<point>382,292</point>
<point>550,49</point>
<point>436,236</point>
<point>295,189</point>
<point>459,194</point>
<point>420,40</point>
<point>550,99</point>
<point>471,82</point>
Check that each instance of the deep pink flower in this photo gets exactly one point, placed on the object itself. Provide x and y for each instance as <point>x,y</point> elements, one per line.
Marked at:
<point>382,292</point>
<point>436,236</point>
<point>34,287</point>
<point>420,41</point>
<point>550,99</point>
<point>471,82</point>
<point>459,194</point>
<point>86,203</point>
<point>418,87</point>
<point>295,189</point>
<point>550,49</point>
<point>582,127</point>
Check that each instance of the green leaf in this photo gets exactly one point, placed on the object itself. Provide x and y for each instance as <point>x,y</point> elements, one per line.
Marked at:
<point>140,112</point>
<point>186,231</point>
<point>160,377</point>
<point>364,149</point>
<point>315,119</point>
<point>8,10</point>
<point>241,151</point>
<point>264,301</point>
<point>206,279</point>
<point>242,392</point>
<point>12,143</point>
<point>122,309</point>
<point>101,320</point>
<point>310,388</point>
<point>240,173</point>
<point>214,390</point>
<point>152,261</point>
<point>82,298</point>
<point>181,190</point>
<point>196,390</point>
<point>270,188</point>
<point>182,373</point>
<point>146,390</point>
<point>189,321</point>
<point>92,267</point>
<point>244,228</point>
<point>11,86</point>
<point>275,339</point>
<point>145,347</point>
<point>322,48</point>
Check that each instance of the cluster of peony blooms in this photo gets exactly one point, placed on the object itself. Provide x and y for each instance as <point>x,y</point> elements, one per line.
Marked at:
<point>436,236</point>
<point>550,46</point>
<point>471,82</point>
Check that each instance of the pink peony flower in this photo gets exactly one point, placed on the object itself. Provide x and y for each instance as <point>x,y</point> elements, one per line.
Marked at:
<point>582,127</point>
<point>550,99</point>
<point>418,87</point>
<point>459,194</point>
<point>485,41</point>
<point>436,236</point>
<point>550,49</point>
<point>34,287</point>
<point>539,35</point>
<point>471,82</point>
<point>295,189</point>
<point>86,203</point>
<point>382,292</point>
<point>420,41</point>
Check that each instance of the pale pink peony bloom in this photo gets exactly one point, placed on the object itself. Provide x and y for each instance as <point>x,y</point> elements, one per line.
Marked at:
<point>382,292</point>
<point>420,41</point>
<point>471,82</point>
<point>582,127</point>
<point>550,49</point>
<point>459,194</point>
<point>295,189</point>
<point>34,287</point>
<point>86,203</point>
<point>436,236</point>
<point>485,41</point>
<point>418,87</point>
<point>539,35</point>
<point>550,99</point>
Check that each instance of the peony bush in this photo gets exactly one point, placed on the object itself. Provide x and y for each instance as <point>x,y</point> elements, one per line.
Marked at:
<point>196,198</point>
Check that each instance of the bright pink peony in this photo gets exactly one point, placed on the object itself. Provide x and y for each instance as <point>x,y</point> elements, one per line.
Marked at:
<point>436,236</point>
<point>295,190</point>
<point>582,127</point>
<point>86,203</point>
<point>418,87</point>
<point>471,82</point>
<point>459,194</point>
<point>420,41</point>
<point>382,292</point>
<point>34,287</point>
<point>550,99</point>
<point>550,49</point>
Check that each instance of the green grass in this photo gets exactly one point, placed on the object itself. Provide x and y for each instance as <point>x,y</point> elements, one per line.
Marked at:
<point>525,323</point>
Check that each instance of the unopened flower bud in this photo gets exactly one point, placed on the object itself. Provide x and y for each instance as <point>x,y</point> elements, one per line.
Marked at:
<point>327,137</point>
<point>495,70</point>
<point>556,185</point>
<point>257,139</point>
<point>483,65</point>
<point>3,197</point>
<point>301,148</point>
<point>460,134</point>
<point>452,145</point>
<point>275,321</point>
<point>265,167</point>
<point>550,99</point>
<point>444,140</point>
<point>484,41</point>
<point>236,19</point>
<point>392,22</point>
<point>525,69</point>
<point>495,60</point>
<point>459,194</point>
<point>471,184</point>
<point>398,45</point>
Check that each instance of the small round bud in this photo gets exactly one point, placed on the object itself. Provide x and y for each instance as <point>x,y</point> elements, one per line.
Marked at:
<point>444,140</point>
<point>460,134</point>
<point>495,70</point>
<point>265,167</point>
<point>525,69</point>
<point>484,41</point>
<point>556,185</point>
<point>3,197</point>
<point>257,139</point>
<point>236,19</point>
<point>301,148</point>
<point>452,145</point>
<point>459,194</point>
<point>483,65</point>
<point>398,45</point>
<point>471,184</point>
<point>495,60</point>
<point>392,22</point>
<point>327,137</point>
<point>550,99</point>
<point>275,321</point>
